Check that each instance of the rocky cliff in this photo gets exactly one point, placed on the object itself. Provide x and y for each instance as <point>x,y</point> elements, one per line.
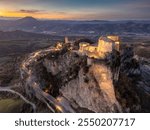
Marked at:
<point>133,85</point>
<point>80,84</point>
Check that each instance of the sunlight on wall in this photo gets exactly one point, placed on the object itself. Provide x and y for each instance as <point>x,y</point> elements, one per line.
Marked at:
<point>103,76</point>
<point>105,45</point>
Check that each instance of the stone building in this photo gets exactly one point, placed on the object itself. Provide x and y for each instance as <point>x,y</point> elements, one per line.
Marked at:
<point>106,45</point>
<point>66,40</point>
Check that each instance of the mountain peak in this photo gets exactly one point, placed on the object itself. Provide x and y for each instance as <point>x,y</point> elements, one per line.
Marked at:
<point>28,18</point>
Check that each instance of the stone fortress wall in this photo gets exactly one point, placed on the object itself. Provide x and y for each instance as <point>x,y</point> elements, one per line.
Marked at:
<point>106,45</point>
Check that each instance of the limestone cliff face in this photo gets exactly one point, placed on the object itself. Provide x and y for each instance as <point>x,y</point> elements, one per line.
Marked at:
<point>93,90</point>
<point>87,86</point>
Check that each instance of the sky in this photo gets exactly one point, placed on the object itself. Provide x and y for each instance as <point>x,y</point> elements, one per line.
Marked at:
<point>77,9</point>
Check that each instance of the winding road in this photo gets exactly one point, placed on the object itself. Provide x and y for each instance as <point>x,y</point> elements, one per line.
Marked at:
<point>31,82</point>
<point>7,89</point>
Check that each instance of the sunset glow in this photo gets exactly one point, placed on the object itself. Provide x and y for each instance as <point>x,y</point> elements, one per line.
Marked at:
<point>76,9</point>
<point>46,15</point>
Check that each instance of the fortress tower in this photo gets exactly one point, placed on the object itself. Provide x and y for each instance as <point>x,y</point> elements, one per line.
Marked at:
<point>116,40</point>
<point>66,40</point>
<point>108,43</point>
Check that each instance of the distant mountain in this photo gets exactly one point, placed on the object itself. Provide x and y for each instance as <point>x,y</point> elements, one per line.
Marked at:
<point>25,24</point>
<point>73,28</point>
<point>26,21</point>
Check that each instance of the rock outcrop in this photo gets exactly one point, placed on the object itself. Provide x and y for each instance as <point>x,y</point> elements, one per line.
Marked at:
<point>116,84</point>
<point>133,86</point>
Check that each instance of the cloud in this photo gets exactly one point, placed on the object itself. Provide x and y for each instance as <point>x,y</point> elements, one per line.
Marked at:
<point>60,12</point>
<point>76,9</point>
<point>30,11</point>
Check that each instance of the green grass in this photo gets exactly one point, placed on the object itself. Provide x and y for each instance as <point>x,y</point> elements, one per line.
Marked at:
<point>10,105</point>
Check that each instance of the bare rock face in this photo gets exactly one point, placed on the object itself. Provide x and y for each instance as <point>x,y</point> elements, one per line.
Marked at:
<point>89,87</point>
<point>133,86</point>
<point>93,90</point>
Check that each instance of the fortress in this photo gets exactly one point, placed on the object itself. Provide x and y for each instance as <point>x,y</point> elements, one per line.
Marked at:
<point>106,45</point>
